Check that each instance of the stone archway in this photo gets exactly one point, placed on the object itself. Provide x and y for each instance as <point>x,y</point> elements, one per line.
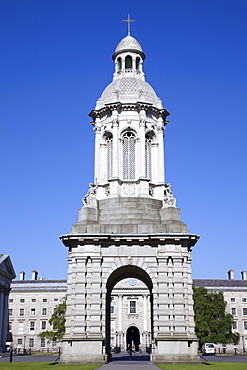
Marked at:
<point>117,275</point>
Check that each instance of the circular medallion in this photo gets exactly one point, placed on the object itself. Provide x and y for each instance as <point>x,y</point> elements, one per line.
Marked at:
<point>128,189</point>
<point>132,281</point>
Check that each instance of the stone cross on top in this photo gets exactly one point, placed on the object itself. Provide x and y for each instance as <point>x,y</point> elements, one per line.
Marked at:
<point>129,21</point>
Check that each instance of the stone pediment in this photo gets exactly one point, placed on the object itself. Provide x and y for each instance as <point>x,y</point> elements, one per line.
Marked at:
<point>7,272</point>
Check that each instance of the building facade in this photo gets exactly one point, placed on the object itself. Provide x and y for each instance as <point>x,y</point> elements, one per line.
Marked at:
<point>32,303</point>
<point>7,273</point>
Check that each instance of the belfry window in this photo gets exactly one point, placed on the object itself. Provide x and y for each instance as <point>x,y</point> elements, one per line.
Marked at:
<point>129,142</point>
<point>119,64</point>
<point>138,63</point>
<point>109,145</point>
<point>148,154</point>
<point>128,62</point>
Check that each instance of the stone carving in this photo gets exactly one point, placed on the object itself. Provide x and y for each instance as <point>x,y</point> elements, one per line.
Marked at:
<point>169,200</point>
<point>128,189</point>
<point>90,198</point>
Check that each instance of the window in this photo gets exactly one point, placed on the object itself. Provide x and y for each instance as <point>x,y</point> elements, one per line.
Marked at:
<point>233,311</point>
<point>33,300</point>
<point>44,299</point>
<point>54,343</point>
<point>112,309</point>
<point>119,64</point>
<point>234,325</point>
<point>32,311</point>
<point>129,156</point>
<point>109,145</point>
<point>20,325</point>
<point>22,300</point>
<point>32,325</point>
<point>10,300</point>
<point>244,300</point>
<point>10,311</point>
<point>43,325</point>
<point>21,312</point>
<point>10,326</point>
<point>244,311</point>
<point>137,63</point>
<point>31,342</point>
<point>233,300</point>
<point>112,298</point>
<point>44,311</point>
<point>128,62</point>
<point>148,162</point>
<point>19,343</point>
<point>132,306</point>
<point>55,299</point>
<point>42,342</point>
<point>245,325</point>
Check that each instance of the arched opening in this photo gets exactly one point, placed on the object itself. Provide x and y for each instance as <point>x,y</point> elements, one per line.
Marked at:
<point>138,60</point>
<point>129,312</point>
<point>133,338</point>
<point>148,154</point>
<point>129,143</point>
<point>109,144</point>
<point>119,64</point>
<point>128,62</point>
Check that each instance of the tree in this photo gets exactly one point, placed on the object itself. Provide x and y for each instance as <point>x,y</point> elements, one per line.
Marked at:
<point>58,321</point>
<point>212,323</point>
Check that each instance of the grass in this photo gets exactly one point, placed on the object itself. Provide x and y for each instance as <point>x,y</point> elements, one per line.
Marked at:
<point>45,366</point>
<point>213,366</point>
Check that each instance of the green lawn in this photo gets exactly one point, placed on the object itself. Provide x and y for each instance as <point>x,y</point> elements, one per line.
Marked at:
<point>212,366</point>
<point>45,366</point>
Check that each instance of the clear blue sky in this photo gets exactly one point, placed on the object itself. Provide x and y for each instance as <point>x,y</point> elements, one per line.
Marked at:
<point>55,63</point>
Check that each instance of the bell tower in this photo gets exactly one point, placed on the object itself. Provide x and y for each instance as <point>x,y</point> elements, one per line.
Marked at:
<point>129,225</point>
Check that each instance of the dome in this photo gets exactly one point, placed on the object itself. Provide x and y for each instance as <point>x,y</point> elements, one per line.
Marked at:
<point>128,43</point>
<point>128,90</point>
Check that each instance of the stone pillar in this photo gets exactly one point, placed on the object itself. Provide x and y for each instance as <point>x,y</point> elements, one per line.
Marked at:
<point>120,313</point>
<point>161,168</point>
<point>145,323</point>
<point>1,317</point>
<point>97,161</point>
<point>115,150</point>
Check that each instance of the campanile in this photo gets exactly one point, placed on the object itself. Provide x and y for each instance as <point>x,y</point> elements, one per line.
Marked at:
<point>129,225</point>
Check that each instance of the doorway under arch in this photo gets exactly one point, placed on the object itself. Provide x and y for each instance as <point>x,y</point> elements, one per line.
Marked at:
<point>133,338</point>
<point>127,271</point>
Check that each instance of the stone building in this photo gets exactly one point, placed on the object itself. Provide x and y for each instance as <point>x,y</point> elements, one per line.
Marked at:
<point>129,226</point>
<point>31,304</point>
<point>7,273</point>
<point>130,310</point>
<point>235,295</point>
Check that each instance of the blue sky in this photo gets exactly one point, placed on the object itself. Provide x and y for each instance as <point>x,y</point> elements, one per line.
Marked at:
<point>55,63</point>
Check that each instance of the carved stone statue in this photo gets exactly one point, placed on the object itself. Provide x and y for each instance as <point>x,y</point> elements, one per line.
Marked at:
<point>90,198</point>
<point>169,200</point>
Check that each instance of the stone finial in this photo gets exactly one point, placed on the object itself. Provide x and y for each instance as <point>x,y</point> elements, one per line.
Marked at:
<point>244,274</point>
<point>231,274</point>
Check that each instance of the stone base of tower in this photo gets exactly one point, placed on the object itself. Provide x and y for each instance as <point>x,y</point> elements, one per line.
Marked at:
<point>176,351</point>
<point>83,352</point>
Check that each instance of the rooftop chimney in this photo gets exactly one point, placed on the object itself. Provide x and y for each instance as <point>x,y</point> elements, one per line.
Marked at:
<point>22,275</point>
<point>34,275</point>
<point>244,273</point>
<point>231,274</point>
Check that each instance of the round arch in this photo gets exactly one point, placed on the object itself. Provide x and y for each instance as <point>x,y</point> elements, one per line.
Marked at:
<point>116,276</point>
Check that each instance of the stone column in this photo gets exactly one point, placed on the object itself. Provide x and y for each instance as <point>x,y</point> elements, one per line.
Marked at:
<point>80,298</point>
<point>120,313</point>
<point>142,159</point>
<point>97,164</point>
<point>160,137</point>
<point>145,326</point>
<point>115,169</point>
